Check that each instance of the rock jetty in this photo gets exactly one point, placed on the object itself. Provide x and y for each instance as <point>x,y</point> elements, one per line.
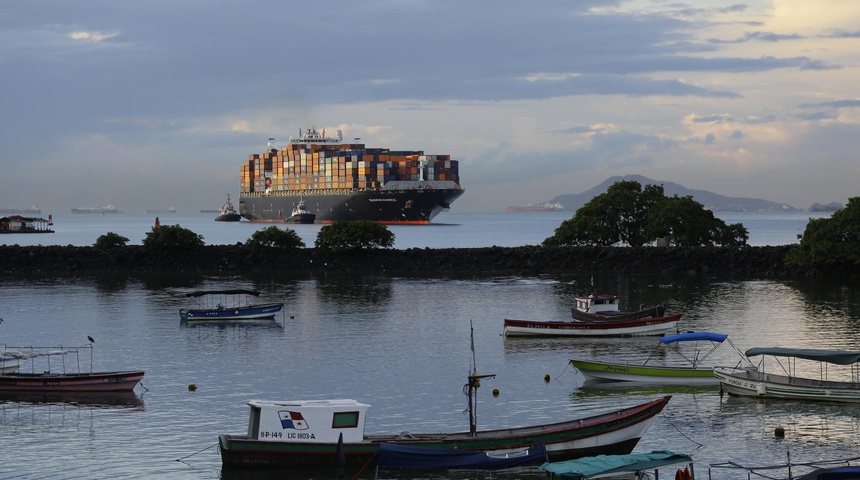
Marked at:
<point>744,262</point>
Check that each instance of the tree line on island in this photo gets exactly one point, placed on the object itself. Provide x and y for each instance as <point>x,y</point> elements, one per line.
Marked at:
<point>625,215</point>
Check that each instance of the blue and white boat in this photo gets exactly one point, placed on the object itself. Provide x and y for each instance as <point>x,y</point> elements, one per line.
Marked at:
<point>228,306</point>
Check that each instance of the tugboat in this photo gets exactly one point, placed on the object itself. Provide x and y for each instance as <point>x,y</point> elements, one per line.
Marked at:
<point>228,213</point>
<point>301,214</point>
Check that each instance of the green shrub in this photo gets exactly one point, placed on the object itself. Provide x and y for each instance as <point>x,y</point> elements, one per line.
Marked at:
<point>275,237</point>
<point>172,237</point>
<point>110,240</point>
<point>354,235</point>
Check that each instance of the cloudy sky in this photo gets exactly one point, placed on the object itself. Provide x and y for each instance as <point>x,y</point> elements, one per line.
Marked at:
<point>158,103</point>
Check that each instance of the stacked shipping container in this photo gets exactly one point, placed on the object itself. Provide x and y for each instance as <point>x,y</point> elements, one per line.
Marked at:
<point>307,167</point>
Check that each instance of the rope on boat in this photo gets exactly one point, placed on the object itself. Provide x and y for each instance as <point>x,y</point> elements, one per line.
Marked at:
<point>196,453</point>
<point>663,414</point>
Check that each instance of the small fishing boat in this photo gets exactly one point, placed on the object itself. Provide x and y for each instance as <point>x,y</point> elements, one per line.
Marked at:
<point>332,432</point>
<point>301,214</point>
<point>593,328</point>
<point>614,466</point>
<point>228,213</point>
<point>607,307</point>
<point>228,306</point>
<point>688,371</point>
<point>39,373</point>
<point>753,381</point>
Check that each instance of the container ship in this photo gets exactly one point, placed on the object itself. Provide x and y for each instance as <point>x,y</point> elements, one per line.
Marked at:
<point>34,210</point>
<point>340,181</point>
<point>105,209</point>
<point>540,207</point>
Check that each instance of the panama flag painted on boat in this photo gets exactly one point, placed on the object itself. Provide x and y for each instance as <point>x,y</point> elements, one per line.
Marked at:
<point>293,420</point>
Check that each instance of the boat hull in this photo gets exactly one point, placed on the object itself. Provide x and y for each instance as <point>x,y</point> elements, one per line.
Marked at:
<point>615,432</point>
<point>301,218</point>
<point>70,382</point>
<point>228,217</point>
<point>602,328</point>
<point>645,374</point>
<point>386,206</point>
<point>252,312</point>
<point>749,382</point>
<point>652,312</point>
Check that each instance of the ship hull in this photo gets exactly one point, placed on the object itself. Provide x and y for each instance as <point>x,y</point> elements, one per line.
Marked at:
<point>393,206</point>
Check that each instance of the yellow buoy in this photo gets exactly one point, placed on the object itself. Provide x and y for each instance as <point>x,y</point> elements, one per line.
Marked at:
<point>192,387</point>
<point>495,392</point>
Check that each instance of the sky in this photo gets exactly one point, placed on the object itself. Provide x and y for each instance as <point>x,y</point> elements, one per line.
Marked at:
<point>157,104</point>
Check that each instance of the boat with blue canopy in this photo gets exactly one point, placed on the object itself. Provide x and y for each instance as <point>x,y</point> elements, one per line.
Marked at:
<point>792,381</point>
<point>604,466</point>
<point>691,368</point>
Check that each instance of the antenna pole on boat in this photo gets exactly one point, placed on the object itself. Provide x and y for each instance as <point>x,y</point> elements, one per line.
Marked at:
<point>474,383</point>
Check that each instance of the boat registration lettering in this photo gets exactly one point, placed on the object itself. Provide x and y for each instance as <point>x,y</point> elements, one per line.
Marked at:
<point>381,199</point>
<point>616,369</point>
<point>287,435</point>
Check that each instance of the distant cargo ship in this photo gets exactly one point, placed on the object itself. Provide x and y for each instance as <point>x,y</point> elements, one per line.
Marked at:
<point>346,181</point>
<point>161,210</point>
<point>105,209</point>
<point>34,210</point>
<point>540,207</point>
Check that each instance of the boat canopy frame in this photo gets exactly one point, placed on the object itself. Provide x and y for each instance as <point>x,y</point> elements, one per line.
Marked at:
<point>824,357</point>
<point>716,340</point>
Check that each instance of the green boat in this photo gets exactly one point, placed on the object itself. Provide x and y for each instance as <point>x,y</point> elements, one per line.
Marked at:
<point>691,372</point>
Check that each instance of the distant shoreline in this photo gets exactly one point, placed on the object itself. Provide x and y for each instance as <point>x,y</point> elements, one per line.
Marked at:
<point>744,262</point>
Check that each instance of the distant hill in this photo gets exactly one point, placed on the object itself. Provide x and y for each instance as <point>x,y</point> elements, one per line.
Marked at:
<point>712,201</point>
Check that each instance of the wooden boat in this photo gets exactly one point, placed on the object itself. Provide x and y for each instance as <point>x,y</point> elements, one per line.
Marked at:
<point>228,306</point>
<point>753,381</point>
<point>306,433</point>
<point>593,328</point>
<point>691,372</point>
<point>332,432</point>
<point>614,466</point>
<point>603,307</point>
<point>228,213</point>
<point>300,214</point>
<point>48,377</point>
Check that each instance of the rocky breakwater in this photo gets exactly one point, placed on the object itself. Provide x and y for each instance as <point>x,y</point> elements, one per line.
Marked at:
<point>745,262</point>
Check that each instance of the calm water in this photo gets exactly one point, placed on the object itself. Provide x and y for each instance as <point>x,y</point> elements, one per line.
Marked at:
<point>401,345</point>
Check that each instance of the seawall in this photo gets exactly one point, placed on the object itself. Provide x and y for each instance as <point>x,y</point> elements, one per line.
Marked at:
<point>744,262</point>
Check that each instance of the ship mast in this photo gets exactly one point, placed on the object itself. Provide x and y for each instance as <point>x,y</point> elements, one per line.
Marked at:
<point>472,386</point>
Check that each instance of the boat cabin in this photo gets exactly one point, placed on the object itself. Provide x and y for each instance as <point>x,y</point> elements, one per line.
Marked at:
<point>307,421</point>
<point>597,303</point>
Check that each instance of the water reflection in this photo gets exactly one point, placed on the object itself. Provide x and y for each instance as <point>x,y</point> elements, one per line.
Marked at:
<point>122,400</point>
